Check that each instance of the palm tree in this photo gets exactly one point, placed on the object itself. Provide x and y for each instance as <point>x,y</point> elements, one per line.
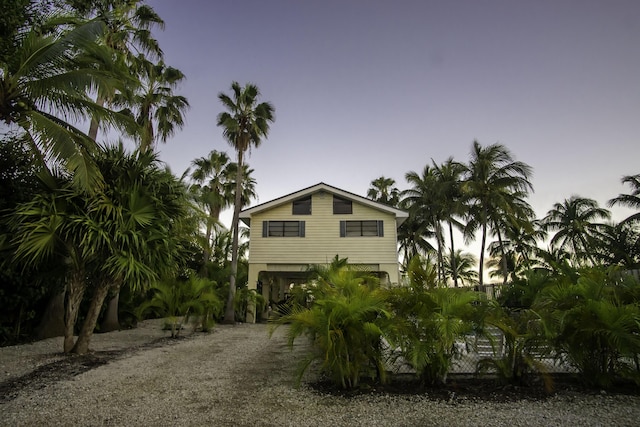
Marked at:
<point>128,35</point>
<point>156,109</point>
<point>212,189</point>
<point>575,221</point>
<point>449,181</point>
<point>45,84</point>
<point>412,237</point>
<point>619,244</point>
<point>629,200</point>
<point>425,205</point>
<point>52,227</point>
<point>383,190</point>
<point>244,125</point>
<point>134,226</point>
<point>465,264</point>
<point>495,190</point>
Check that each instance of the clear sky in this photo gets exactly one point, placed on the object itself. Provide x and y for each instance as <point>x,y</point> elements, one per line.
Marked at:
<point>364,88</point>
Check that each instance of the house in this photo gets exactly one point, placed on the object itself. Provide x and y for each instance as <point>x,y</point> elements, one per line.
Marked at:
<point>312,226</point>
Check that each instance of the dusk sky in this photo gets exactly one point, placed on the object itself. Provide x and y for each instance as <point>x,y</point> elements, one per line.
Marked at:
<point>370,88</point>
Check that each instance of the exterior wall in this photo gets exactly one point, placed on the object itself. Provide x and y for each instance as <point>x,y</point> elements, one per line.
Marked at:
<point>284,258</point>
<point>322,239</point>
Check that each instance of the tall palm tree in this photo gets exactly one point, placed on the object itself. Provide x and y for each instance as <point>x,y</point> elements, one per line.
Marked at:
<point>449,180</point>
<point>425,205</point>
<point>619,244</point>
<point>495,189</point>
<point>629,200</point>
<point>577,226</point>
<point>244,125</point>
<point>157,110</point>
<point>128,34</point>
<point>465,264</point>
<point>383,190</point>
<point>212,189</point>
<point>44,89</point>
<point>412,238</point>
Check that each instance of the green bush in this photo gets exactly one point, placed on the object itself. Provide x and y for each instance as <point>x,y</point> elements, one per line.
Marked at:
<point>344,324</point>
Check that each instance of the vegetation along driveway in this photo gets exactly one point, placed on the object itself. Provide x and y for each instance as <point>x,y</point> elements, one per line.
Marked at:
<point>238,376</point>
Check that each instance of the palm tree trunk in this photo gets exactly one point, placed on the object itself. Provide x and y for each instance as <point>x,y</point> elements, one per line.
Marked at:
<point>75,292</point>
<point>229,315</point>
<point>482,246</point>
<point>505,268</point>
<point>454,267</point>
<point>440,259</point>
<point>89,324</point>
<point>111,321</point>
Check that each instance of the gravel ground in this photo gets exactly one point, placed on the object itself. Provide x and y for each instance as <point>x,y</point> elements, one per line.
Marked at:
<point>237,376</point>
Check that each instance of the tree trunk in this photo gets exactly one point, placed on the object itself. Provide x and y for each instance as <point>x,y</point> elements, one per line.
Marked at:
<point>454,267</point>
<point>52,322</point>
<point>482,246</point>
<point>75,292</point>
<point>230,315</point>
<point>111,321</point>
<point>89,324</point>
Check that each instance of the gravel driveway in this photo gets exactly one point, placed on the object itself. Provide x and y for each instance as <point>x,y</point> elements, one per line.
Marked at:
<point>237,376</point>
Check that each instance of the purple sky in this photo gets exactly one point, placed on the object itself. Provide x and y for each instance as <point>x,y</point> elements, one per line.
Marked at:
<point>369,88</point>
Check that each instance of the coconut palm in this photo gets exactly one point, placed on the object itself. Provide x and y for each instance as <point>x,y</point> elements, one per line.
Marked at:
<point>495,189</point>
<point>426,206</point>
<point>619,244</point>
<point>577,226</point>
<point>244,125</point>
<point>412,237</point>
<point>44,89</point>
<point>128,34</point>
<point>465,264</point>
<point>629,200</point>
<point>383,190</point>
<point>449,180</point>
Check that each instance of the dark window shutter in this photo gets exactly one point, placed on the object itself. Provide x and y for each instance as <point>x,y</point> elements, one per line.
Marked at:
<point>380,228</point>
<point>343,228</point>
<point>265,228</point>
<point>301,229</point>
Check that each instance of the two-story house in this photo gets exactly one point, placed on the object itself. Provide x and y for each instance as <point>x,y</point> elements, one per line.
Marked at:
<point>312,226</point>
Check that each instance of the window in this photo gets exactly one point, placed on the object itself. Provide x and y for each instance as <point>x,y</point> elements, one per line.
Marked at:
<point>361,228</point>
<point>302,206</point>
<point>282,228</point>
<point>341,206</point>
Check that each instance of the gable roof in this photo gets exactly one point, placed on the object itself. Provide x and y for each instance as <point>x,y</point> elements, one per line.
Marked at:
<point>400,215</point>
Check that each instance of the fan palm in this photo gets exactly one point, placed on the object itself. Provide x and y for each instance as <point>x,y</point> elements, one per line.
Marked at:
<point>212,190</point>
<point>383,190</point>
<point>244,125</point>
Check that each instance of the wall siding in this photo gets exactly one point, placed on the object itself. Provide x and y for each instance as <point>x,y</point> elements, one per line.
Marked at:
<point>322,239</point>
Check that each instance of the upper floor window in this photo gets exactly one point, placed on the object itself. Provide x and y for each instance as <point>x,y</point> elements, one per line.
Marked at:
<point>302,206</point>
<point>282,228</point>
<point>342,206</point>
<point>362,228</point>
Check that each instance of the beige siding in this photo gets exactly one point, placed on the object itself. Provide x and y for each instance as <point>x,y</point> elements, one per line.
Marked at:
<point>322,239</point>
